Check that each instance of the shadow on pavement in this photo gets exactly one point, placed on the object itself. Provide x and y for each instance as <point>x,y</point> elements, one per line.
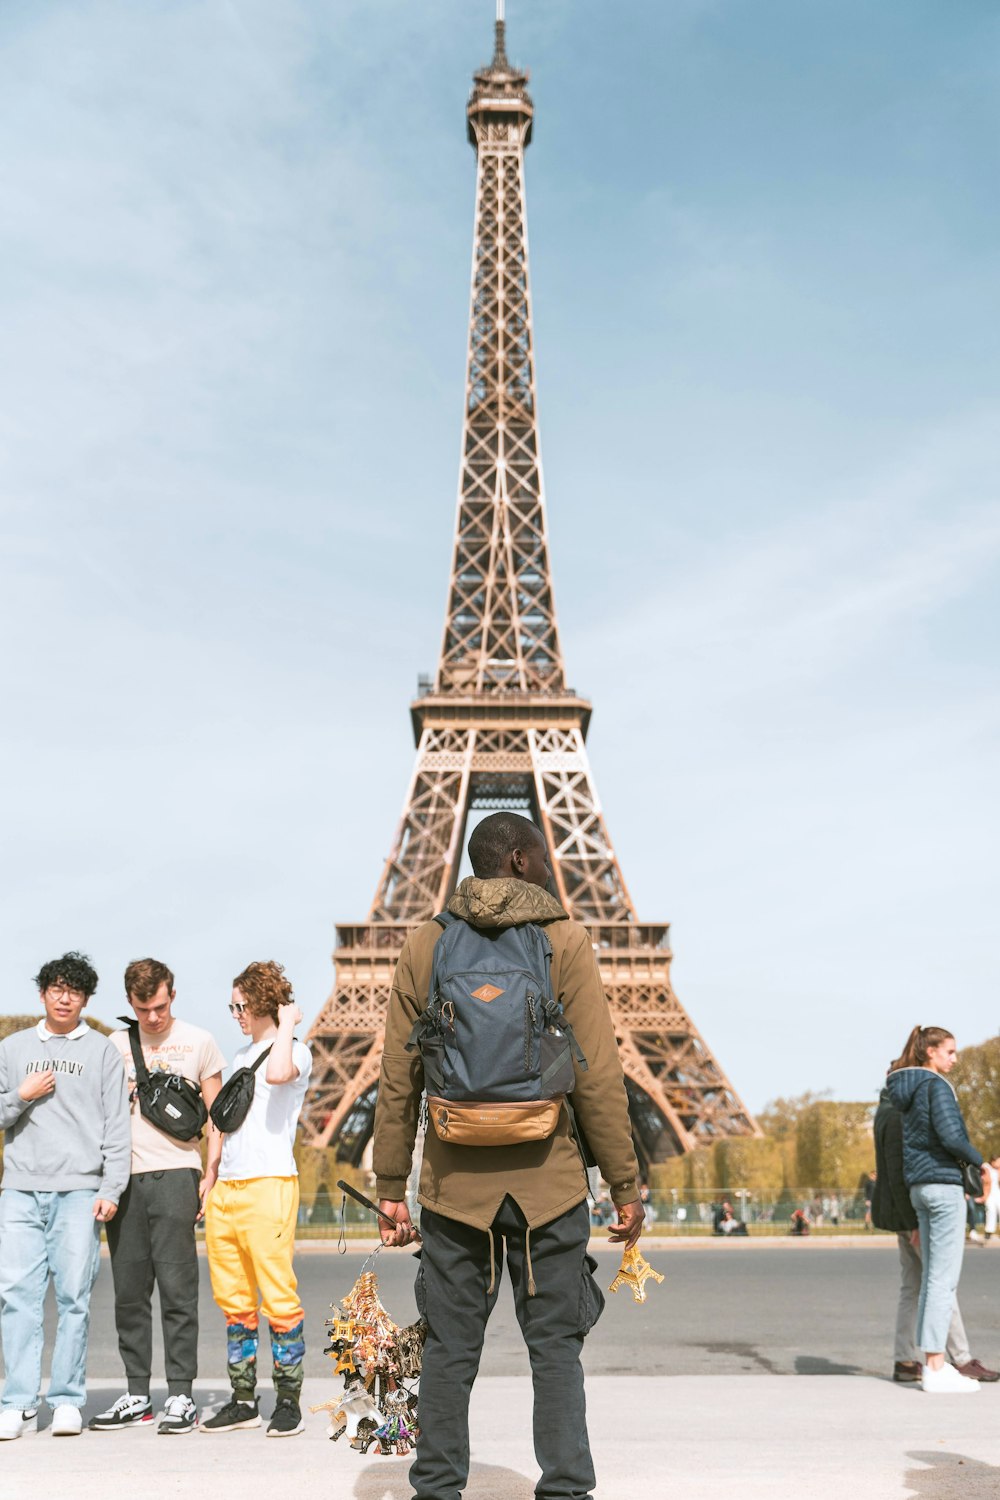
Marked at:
<point>387,1481</point>
<point>815,1364</point>
<point>950,1476</point>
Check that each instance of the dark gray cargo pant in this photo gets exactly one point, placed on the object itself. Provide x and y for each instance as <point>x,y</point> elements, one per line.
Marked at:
<point>452,1293</point>
<point>151,1238</point>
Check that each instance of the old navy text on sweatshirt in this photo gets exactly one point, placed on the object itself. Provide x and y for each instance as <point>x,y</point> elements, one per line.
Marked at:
<point>79,1136</point>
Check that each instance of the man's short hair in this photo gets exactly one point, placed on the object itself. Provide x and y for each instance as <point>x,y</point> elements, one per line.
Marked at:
<point>264,988</point>
<point>496,838</point>
<point>143,978</point>
<point>74,970</point>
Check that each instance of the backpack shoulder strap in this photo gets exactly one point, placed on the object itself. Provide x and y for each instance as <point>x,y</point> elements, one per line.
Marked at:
<point>141,1071</point>
<point>262,1058</point>
<point>446,918</point>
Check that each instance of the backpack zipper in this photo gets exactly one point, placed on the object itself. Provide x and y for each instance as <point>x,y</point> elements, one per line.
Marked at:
<point>529,1029</point>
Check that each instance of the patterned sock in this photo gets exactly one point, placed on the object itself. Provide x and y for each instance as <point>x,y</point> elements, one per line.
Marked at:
<point>288,1349</point>
<point>241,1353</point>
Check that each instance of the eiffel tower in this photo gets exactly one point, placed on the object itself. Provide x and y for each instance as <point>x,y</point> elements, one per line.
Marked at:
<point>499,728</point>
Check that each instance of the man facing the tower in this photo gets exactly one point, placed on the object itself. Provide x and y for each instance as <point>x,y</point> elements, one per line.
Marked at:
<point>528,1199</point>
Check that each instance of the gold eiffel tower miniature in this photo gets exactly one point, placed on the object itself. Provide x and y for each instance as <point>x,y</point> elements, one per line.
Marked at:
<point>634,1272</point>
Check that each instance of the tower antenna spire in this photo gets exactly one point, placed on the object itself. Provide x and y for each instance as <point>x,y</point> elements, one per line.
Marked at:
<point>500,49</point>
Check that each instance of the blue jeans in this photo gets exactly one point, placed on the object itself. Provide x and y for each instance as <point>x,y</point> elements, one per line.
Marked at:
<point>43,1234</point>
<point>940,1210</point>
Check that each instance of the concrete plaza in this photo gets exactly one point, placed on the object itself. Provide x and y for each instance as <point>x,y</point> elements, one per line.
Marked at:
<point>683,1401</point>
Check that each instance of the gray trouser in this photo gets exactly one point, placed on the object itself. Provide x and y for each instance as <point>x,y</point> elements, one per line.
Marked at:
<point>910,1265</point>
<point>151,1238</point>
<point>453,1293</point>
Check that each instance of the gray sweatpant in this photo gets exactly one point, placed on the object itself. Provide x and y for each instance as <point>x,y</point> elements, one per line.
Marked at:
<point>957,1347</point>
<point>151,1238</point>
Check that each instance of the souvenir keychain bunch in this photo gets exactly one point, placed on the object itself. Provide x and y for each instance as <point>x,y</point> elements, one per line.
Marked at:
<point>375,1358</point>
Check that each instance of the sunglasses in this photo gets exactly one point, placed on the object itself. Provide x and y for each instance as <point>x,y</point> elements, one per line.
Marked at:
<point>236,1010</point>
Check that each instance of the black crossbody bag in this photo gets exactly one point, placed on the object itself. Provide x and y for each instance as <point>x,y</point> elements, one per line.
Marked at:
<point>167,1100</point>
<point>232,1103</point>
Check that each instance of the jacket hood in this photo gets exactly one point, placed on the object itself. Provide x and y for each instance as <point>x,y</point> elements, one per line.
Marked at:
<point>504,903</point>
<point>902,1085</point>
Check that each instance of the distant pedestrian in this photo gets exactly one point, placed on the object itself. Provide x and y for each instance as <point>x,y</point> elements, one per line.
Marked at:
<point>729,1224</point>
<point>152,1239</point>
<point>252,1211</point>
<point>935,1144</point>
<point>892,1210</point>
<point>992,1204</point>
<point>64,1111</point>
<point>868,1189</point>
<point>800,1222</point>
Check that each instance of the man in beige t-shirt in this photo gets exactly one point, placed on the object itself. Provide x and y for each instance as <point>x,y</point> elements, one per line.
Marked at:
<point>153,1236</point>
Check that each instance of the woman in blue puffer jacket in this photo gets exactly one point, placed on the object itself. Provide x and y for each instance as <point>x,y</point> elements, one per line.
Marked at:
<point>935,1145</point>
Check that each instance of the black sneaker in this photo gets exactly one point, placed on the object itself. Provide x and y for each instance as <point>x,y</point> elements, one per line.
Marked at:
<point>179,1415</point>
<point>287,1419</point>
<point>127,1411</point>
<point>234,1414</point>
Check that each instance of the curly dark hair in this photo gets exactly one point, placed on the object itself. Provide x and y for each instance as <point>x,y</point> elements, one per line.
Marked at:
<point>73,970</point>
<point>264,988</point>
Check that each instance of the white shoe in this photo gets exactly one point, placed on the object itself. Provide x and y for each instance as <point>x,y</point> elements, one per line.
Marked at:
<point>14,1423</point>
<point>67,1421</point>
<point>947,1382</point>
<point>975,1238</point>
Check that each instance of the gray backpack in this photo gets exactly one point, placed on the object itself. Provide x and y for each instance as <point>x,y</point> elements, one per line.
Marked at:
<point>497,1049</point>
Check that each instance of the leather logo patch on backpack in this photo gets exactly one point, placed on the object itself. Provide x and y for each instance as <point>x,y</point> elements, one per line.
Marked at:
<point>486,992</point>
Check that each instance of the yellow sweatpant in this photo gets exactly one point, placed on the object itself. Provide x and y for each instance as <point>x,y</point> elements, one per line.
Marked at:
<point>250,1239</point>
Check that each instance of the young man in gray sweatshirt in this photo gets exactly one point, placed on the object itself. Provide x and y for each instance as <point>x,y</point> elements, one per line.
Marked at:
<point>67,1148</point>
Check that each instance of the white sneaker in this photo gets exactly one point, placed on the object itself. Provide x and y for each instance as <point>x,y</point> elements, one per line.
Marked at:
<point>67,1421</point>
<point>179,1415</point>
<point>947,1382</point>
<point>975,1238</point>
<point>14,1423</point>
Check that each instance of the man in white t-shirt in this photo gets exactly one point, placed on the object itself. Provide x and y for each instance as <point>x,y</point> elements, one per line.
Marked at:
<point>152,1237</point>
<point>251,1213</point>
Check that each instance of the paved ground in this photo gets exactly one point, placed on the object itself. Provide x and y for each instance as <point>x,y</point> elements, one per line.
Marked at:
<point>789,1307</point>
<point>708,1415</point>
<point>690,1437</point>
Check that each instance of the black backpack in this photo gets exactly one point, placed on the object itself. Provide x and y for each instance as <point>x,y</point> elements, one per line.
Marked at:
<point>232,1103</point>
<point>167,1100</point>
<point>496,1047</point>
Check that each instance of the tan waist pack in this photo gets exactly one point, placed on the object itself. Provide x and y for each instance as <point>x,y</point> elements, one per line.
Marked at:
<point>467,1123</point>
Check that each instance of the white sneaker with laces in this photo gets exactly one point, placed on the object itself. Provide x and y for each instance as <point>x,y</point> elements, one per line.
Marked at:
<point>127,1411</point>
<point>179,1415</point>
<point>67,1421</point>
<point>947,1382</point>
<point>14,1423</point>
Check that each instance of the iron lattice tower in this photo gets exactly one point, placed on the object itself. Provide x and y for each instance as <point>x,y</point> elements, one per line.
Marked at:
<point>500,728</point>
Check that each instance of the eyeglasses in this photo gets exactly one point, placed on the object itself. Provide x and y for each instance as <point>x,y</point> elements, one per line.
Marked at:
<point>64,992</point>
<point>236,1010</point>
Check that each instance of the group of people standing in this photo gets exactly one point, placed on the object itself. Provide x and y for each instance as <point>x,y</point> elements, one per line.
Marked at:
<point>80,1152</point>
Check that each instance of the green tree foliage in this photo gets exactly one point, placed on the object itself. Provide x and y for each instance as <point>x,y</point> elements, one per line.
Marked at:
<point>977,1083</point>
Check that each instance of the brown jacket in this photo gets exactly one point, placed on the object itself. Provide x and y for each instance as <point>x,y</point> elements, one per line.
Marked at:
<point>545,1178</point>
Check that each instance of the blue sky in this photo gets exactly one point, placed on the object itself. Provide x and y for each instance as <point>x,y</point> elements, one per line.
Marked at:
<point>234,301</point>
